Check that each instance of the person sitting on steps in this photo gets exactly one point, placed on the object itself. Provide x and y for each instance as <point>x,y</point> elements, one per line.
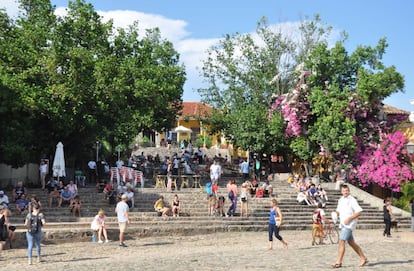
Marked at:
<point>99,226</point>
<point>65,197</point>
<point>176,206</point>
<point>160,207</point>
<point>75,206</point>
<point>52,187</point>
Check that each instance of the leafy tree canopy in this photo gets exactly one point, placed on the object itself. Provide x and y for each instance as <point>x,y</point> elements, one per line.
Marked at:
<point>75,79</point>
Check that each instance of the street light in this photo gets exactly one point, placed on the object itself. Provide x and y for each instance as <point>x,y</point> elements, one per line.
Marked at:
<point>119,149</point>
<point>204,136</point>
<point>98,145</point>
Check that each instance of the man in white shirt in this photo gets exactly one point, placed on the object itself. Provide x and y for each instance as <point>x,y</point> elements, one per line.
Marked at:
<point>348,210</point>
<point>122,214</point>
<point>93,171</point>
<point>215,171</point>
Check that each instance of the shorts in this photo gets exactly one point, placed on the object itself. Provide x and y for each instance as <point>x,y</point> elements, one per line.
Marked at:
<point>122,226</point>
<point>317,226</point>
<point>243,199</point>
<point>346,235</point>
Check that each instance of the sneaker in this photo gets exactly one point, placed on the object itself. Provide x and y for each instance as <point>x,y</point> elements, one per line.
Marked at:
<point>100,241</point>
<point>106,241</point>
<point>122,245</point>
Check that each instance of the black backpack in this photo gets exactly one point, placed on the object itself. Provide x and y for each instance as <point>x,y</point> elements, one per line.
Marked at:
<point>33,226</point>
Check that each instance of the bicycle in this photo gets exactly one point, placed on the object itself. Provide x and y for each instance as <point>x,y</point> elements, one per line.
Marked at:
<point>331,232</point>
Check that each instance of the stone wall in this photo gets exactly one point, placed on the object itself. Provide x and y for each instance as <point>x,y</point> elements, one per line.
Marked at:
<point>10,176</point>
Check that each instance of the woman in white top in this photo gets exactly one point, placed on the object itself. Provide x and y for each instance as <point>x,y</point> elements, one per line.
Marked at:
<point>98,224</point>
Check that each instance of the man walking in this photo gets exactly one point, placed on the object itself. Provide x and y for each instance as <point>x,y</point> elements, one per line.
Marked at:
<point>121,211</point>
<point>215,171</point>
<point>245,169</point>
<point>348,210</point>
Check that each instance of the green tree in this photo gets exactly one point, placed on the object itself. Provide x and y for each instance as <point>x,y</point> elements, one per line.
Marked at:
<point>24,47</point>
<point>76,80</point>
<point>244,72</point>
<point>346,91</point>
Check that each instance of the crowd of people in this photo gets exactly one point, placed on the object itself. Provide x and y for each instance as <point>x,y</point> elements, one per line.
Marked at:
<point>238,192</point>
<point>308,193</point>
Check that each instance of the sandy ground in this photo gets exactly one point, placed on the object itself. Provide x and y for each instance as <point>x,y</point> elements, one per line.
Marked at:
<point>219,251</point>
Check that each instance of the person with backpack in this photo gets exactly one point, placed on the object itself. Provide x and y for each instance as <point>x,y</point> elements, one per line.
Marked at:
<point>34,222</point>
<point>211,199</point>
<point>318,221</point>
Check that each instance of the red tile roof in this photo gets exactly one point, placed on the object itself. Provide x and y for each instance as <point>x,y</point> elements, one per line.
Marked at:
<point>195,109</point>
<point>390,110</point>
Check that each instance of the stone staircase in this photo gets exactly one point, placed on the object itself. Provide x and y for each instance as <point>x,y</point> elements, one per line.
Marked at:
<point>62,226</point>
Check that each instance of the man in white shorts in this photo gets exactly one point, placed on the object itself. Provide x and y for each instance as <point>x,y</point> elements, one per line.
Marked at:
<point>121,211</point>
<point>348,210</point>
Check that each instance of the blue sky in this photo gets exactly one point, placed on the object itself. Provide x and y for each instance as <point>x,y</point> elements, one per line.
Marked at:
<point>194,25</point>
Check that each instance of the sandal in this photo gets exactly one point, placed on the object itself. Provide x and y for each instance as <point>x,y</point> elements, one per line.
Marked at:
<point>337,265</point>
<point>362,264</point>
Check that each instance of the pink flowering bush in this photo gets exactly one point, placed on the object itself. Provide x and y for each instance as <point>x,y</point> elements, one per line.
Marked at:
<point>385,165</point>
<point>295,111</point>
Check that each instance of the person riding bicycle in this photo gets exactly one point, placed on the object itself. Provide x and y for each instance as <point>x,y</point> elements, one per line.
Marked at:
<point>318,222</point>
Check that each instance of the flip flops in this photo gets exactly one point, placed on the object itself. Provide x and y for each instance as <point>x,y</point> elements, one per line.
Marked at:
<point>336,265</point>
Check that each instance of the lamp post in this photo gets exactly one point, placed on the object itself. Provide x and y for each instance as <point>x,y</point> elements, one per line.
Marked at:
<point>119,149</point>
<point>204,137</point>
<point>98,145</point>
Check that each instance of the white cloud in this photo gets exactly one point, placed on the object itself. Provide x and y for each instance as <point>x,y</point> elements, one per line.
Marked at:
<point>173,30</point>
<point>11,6</point>
<point>192,51</point>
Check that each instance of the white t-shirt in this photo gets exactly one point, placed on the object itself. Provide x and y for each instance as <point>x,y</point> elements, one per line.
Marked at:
<point>92,164</point>
<point>176,163</point>
<point>129,194</point>
<point>121,210</point>
<point>119,164</point>
<point>215,171</point>
<point>43,169</point>
<point>4,199</point>
<point>122,189</point>
<point>346,208</point>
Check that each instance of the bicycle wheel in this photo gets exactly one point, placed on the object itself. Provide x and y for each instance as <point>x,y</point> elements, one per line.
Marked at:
<point>334,235</point>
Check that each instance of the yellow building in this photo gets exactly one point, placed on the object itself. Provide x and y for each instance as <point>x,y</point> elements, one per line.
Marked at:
<point>189,126</point>
<point>192,117</point>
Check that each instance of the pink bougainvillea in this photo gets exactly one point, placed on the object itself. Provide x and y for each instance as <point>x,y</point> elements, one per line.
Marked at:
<point>380,154</point>
<point>295,111</point>
<point>384,165</point>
